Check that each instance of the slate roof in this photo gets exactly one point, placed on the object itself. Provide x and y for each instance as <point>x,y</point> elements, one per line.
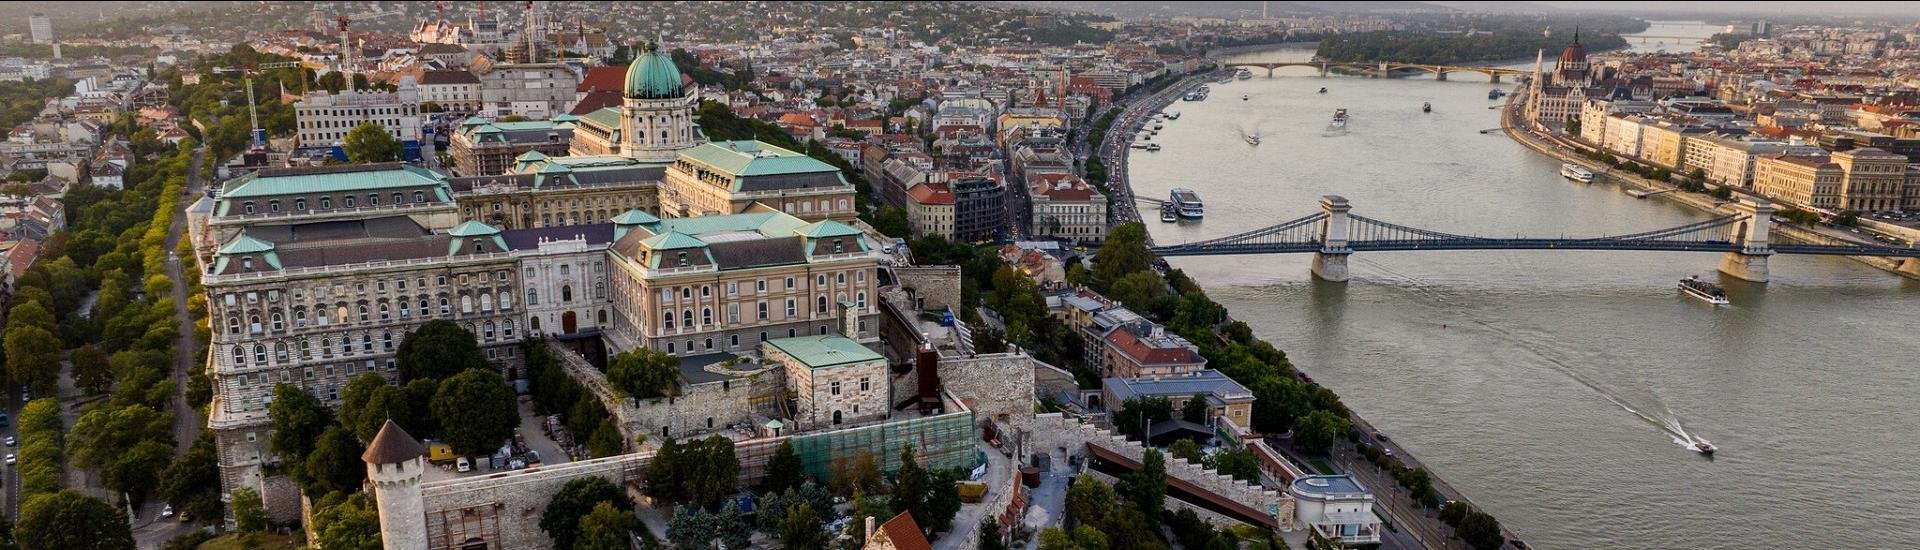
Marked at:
<point>392,445</point>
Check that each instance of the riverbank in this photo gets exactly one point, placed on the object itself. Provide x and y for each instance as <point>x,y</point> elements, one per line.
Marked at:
<point>1509,122</point>
<point>1394,501</point>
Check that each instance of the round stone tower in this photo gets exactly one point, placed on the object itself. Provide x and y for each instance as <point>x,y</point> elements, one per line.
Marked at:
<point>395,461</point>
<point>656,117</point>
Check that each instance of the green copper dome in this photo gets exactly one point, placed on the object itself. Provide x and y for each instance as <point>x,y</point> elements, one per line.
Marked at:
<point>653,76</point>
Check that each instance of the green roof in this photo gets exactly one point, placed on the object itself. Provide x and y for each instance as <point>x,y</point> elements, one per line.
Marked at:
<point>246,244</point>
<point>672,240</point>
<point>754,158</point>
<point>826,228</point>
<point>473,228</point>
<point>606,117</point>
<point>330,181</point>
<point>635,217</point>
<point>770,224</point>
<point>653,76</point>
<point>825,351</point>
<point>531,155</point>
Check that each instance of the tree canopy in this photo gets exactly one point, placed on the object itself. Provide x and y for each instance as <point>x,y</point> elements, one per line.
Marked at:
<point>485,407</point>
<point>698,473</point>
<point>437,350</point>
<point>70,520</point>
<point>644,373</point>
<point>562,518</point>
<point>370,142</point>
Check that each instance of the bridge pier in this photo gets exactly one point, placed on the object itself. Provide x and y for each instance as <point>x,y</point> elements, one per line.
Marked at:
<point>1750,262</point>
<point>1330,262</point>
<point>1383,70</point>
<point>1496,77</point>
<point>1441,76</point>
<point>1909,267</point>
<point>1323,69</point>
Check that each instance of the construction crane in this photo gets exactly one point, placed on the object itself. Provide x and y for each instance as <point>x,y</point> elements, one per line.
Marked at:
<point>257,134</point>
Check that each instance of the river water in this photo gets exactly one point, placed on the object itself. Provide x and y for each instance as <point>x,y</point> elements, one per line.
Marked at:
<point>1554,388</point>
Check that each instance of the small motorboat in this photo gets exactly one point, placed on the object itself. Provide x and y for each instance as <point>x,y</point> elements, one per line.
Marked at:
<point>1253,139</point>
<point>1168,214</point>
<point>1153,147</point>
<point>1426,107</point>
<point>1704,447</point>
<point>1323,90</point>
<point>1243,97</point>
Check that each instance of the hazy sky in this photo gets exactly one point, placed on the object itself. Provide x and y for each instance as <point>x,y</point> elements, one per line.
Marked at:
<point>1907,9</point>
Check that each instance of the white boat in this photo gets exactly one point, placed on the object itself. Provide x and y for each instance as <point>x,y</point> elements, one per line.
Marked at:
<point>1187,202</point>
<point>1253,139</point>
<point>1153,147</point>
<point>1576,173</point>
<point>1169,214</point>
<point>1243,74</point>
<point>1704,447</point>
<point>1705,291</point>
<point>1339,120</point>
<point>1243,97</point>
<point>1143,145</point>
<point>1426,107</point>
<point>1173,115</point>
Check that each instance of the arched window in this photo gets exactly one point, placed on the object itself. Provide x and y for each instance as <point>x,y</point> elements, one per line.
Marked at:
<point>260,353</point>
<point>486,302</point>
<point>385,312</point>
<point>419,197</point>
<point>489,329</point>
<point>253,324</point>
<point>533,297</point>
<point>603,317</point>
<point>820,305</point>
<point>373,199</point>
<point>466,303</point>
<point>403,309</point>
<point>279,323</point>
<point>533,323</point>
<point>706,316</point>
<point>599,290</point>
<point>686,318</point>
<point>363,313</point>
<point>506,330</point>
<point>668,317</point>
<point>399,199</point>
<point>233,325</point>
<point>566,293</point>
<point>239,355</point>
<point>445,306</point>
<point>506,300</point>
<point>279,352</point>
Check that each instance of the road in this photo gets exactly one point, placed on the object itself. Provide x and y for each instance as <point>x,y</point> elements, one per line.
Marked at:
<point>149,529</point>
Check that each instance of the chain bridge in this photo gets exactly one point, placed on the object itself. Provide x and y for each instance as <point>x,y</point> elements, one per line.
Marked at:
<point>1335,233</point>
<point>1381,69</point>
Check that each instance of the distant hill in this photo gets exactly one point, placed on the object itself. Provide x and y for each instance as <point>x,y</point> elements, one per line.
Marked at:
<point>1239,9</point>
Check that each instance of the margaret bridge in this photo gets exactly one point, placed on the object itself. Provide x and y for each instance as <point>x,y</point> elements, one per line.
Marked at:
<point>1381,69</point>
<point>1334,233</point>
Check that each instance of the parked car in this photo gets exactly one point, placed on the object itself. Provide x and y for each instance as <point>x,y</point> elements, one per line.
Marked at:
<point>463,465</point>
<point>10,459</point>
<point>11,441</point>
<point>166,511</point>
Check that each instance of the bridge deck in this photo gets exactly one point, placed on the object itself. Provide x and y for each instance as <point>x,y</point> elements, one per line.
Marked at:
<point>1228,249</point>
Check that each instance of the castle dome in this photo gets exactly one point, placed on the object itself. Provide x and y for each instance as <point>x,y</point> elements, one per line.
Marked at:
<point>653,76</point>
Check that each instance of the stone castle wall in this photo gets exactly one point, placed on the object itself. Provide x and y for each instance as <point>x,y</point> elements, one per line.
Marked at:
<point>1056,431</point>
<point>935,287</point>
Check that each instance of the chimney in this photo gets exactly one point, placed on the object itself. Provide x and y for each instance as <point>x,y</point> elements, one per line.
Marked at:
<point>927,365</point>
<point>849,321</point>
<point>869,529</point>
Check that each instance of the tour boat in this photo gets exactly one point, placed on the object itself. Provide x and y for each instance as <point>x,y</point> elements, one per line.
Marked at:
<point>1495,93</point>
<point>1339,120</point>
<point>1143,145</point>
<point>1152,147</point>
<point>1188,203</point>
<point>1426,107</point>
<point>1168,214</point>
<point>1323,90</point>
<point>1576,173</point>
<point>1243,74</point>
<point>1253,139</point>
<point>1705,291</point>
<point>1173,115</point>
<point>1704,447</point>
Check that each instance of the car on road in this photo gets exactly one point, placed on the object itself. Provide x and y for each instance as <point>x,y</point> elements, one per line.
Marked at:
<point>11,441</point>
<point>1379,436</point>
<point>166,511</point>
<point>463,465</point>
<point>10,459</point>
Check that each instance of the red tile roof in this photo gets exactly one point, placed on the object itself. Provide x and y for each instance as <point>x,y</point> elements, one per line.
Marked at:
<point>1062,187</point>
<point>1146,353</point>
<point>936,193</point>
<point>901,533</point>
<point>603,79</point>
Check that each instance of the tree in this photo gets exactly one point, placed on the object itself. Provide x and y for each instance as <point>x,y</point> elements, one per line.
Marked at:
<point>477,411</point>
<point>942,501</point>
<point>784,470</point>
<point>1195,409</point>
<point>576,499</point>
<point>690,528</point>
<point>298,419</point>
<point>1722,192</point>
<point>1136,413</point>
<point>1125,251</point>
<point>730,526</point>
<point>1185,449</point>
<point>334,464</point>
<point>1239,463</point>
<point>606,528</point>
<point>192,483</point>
<point>644,373</point>
<point>1138,290</point>
<point>248,511</point>
<point>136,471</point>
<point>92,371</point>
<point>370,142</point>
<point>1454,512</point>
<point>1318,430</point>
<point>349,524</point>
<point>990,537</point>
<point>910,485</point>
<point>801,530</point>
<point>33,357</point>
<point>1090,502</point>
<point>892,222</point>
<point>606,440</point>
<point>857,474</point>
<point>70,520</point>
<point>437,350</point>
<point>1573,125</point>
<point>1146,488</point>
<point>1481,531</point>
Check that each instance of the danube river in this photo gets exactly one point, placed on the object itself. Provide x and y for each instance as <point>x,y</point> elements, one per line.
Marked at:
<point>1553,387</point>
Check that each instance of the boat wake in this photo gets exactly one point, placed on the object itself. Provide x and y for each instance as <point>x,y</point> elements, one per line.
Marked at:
<point>1657,414</point>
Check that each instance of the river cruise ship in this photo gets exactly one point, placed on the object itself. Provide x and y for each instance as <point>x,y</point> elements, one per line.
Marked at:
<point>1188,203</point>
<point>1576,173</point>
<point>1705,291</point>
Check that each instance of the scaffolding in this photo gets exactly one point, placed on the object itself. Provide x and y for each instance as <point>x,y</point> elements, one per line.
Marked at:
<point>939,442</point>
